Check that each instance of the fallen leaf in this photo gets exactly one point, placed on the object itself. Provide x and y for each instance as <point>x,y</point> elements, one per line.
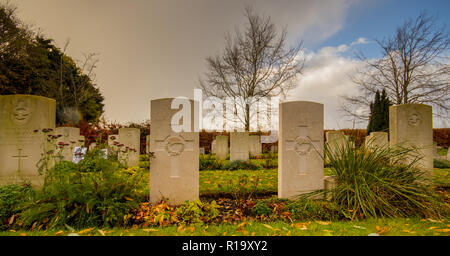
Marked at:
<point>267,226</point>
<point>59,232</point>
<point>323,223</point>
<point>101,232</point>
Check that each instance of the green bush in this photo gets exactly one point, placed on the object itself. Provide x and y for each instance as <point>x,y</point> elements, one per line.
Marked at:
<point>241,165</point>
<point>441,164</point>
<point>209,162</point>
<point>261,208</point>
<point>380,183</point>
<point>84,196</point>
<point>11,197</point>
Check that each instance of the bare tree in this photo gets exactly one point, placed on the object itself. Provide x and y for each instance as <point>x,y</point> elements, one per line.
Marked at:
<point>414,69</point>
<point>255,64</point>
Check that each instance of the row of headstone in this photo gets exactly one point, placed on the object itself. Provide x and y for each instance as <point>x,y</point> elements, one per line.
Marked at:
<point>28,121</point>
<point>242,146</point>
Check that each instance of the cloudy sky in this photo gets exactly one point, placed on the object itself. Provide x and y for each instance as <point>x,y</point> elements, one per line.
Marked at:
<point>153,49</point>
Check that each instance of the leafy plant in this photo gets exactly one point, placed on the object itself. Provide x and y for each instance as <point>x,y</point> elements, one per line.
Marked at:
<point>83,196</point>
<point>11,196</point>
<point>380,182</point>
<point>197,212</point>
<point>261,208</point>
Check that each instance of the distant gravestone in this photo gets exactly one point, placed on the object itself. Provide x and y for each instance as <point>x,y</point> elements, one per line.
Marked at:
<point>274,148</point>
<point>435,152</point>
<point>255,146</point>
<point>130,138</point>
<point>336,142</point>
<point>239,146</point>
<point>70,137</point>
<point>300,153</point>
<point>174,170</point>
<point>202,150</point>
<point>448,154</point>
<point>412,125</point>
<point>213,147</point>
<point>377,140</point>
<point>25,125</point>
<point>147,144</point>
<point>221,147</point>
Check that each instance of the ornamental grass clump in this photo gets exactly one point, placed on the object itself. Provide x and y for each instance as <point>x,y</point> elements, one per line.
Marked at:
<point>381,182</point>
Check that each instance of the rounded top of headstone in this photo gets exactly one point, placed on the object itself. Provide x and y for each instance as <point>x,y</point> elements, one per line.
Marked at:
<point>300,103</point>
<point>28,96</point>
<point>412,105</point>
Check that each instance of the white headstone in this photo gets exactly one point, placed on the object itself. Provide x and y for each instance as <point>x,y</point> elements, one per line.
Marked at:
<point>412,125</point>
<point>174,170</point>
<point>255,146</point>
<point>70,137</point>
<point>130,138</point>
<point>26,122</point>
<point>300,153</point>
<point>239,146</point>
<point>221,147</point>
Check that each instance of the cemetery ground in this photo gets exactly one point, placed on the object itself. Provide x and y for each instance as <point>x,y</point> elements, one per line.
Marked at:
<point>236,199</point>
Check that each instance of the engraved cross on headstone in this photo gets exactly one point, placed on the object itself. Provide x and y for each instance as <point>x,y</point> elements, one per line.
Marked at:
<point>19,159</point>
<point>174,146</point>
<point>303,146</point>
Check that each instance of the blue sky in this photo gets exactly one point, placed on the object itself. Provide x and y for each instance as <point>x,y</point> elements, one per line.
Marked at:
<point>378,19</point>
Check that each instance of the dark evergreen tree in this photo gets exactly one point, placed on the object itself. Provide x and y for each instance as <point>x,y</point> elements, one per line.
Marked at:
<point>379,113</point>
<point>32,64</point>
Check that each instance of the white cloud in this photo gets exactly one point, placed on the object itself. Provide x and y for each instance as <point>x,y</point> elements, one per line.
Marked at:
<point>326,79</point>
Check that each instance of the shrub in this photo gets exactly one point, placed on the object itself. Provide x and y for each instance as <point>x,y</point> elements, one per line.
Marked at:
<point>379,183</point>
<point>209,162</point>
<point>11,197</point>
<point>441,164</point>
<point>261,208</point>
<point>83,196</point>
<point>241,165</point>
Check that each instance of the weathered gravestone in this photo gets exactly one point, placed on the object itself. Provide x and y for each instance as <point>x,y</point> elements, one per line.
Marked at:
<point>336,142</point>
<point>129,153</point>
<point>147,144</point>
<point>435,151</point>
<point>411,125</point>
<point>213,147</point>
<point>221,147</point>
<point>377,140</point>
<point>71,138</point>
<point>300,152</point>
<point>239,148</point>
<point>25,123</point>
<point>174,170</point>
<point>255,146</point>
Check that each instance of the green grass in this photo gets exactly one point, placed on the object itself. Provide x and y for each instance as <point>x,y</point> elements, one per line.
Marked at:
<point>219,181</point>
<point>384,227</point>
<point>442,177</point>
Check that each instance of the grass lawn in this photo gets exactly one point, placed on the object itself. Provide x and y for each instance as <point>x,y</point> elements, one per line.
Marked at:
<point>385,227</point>
<point>223,182</point>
